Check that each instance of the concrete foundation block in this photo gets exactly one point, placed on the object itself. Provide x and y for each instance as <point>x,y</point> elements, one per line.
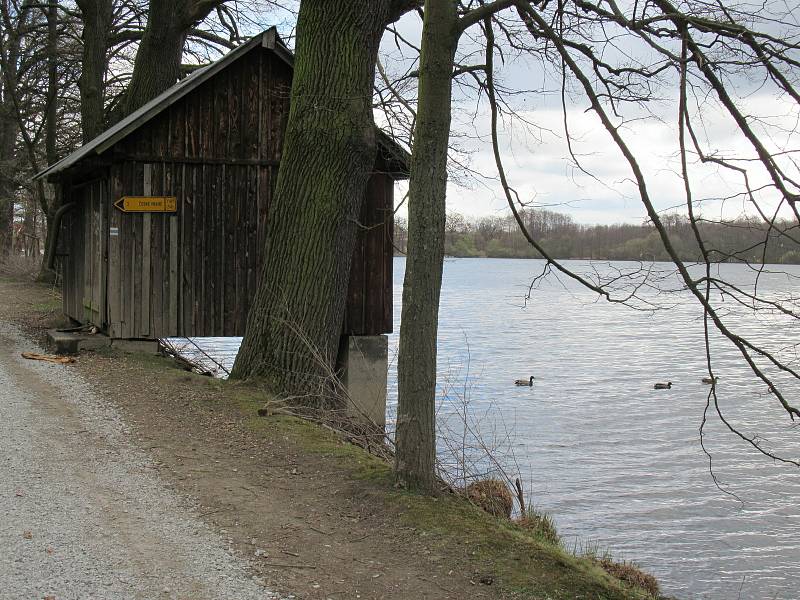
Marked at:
<point>68,342</point>
<point>364,364</point>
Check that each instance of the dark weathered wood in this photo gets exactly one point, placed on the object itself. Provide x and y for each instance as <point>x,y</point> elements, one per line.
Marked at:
<point>231,260</point>
<point>137,250</point>
<point>186,241</point>
<point>217,150</point>
<point>199,160</point>
<point>157,252</point>
<point>175,184</point>
<point>146,276</point>
<point>105,205</point>
<point>235,96</point>
<point>219,118</point>
<point>114,280</point>
<point>250,108</point>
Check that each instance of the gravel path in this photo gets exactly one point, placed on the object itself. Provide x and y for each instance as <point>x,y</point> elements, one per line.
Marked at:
<point>82,512</point>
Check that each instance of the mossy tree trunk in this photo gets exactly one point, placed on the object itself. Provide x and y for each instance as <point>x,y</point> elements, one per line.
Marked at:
<point>96,16</point>
<point>416,439</point>
<point>328,154</point>
<point>416,364</point>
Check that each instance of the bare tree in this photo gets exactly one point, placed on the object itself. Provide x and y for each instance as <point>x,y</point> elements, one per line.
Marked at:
<point>697,49</point>
<point>36,66</point>
<point>328,154</point>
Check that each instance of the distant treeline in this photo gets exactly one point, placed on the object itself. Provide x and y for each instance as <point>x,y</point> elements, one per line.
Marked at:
<point>744,239</point>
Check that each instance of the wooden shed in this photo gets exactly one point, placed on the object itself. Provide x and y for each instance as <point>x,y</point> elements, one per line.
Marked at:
<point>207,151</point>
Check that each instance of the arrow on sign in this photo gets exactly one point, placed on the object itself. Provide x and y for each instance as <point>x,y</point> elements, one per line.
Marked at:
<point>137,204</point>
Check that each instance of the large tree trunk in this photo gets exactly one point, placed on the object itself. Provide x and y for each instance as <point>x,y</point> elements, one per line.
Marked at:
<point>8,131</point>
<point>49,208</point>
<point>96,16</point>
<point>158,59</point>
<point>47,275</point>
<point>328,154</point>
<point>416,366</point>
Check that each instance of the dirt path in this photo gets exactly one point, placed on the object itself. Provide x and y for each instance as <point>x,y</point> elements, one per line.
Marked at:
<point>136,480</point>
<point>83,513</point>
<point>306,522</point>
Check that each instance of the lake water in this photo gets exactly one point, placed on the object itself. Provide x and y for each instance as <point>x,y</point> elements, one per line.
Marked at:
<point>617,464</point>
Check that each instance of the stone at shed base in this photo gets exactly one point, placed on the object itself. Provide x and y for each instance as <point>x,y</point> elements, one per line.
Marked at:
<point>364,363</point>
<point>72,342</point>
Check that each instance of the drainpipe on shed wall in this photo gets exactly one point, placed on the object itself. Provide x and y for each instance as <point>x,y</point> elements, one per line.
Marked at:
<point>51,251</point>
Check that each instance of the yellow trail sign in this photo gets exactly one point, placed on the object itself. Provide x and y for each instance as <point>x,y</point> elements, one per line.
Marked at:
<point>147,204</point>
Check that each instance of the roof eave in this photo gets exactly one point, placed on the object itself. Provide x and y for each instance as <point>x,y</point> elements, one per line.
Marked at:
<point>110,137</point>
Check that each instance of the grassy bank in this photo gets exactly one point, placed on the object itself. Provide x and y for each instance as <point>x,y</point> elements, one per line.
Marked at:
<point>516,561</point>
<point>501,559</point>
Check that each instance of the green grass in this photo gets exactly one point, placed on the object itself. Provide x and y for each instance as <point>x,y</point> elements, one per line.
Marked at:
<point>48,307</point>
<point>520,561</point>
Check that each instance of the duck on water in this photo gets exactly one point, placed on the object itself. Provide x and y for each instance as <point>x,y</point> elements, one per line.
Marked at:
<point>528,382</point>
<point>663,386</point>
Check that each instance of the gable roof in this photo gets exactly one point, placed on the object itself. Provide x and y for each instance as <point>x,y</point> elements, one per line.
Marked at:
<point>397,157</point>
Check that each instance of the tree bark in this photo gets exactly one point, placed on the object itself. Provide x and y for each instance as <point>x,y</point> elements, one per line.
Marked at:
<point>51,125</point>
<point>295,322</point>
<point>96,16</point>
<point>8,131</point>
<point>158,59</point>
<point>416,426</point>
<point>9,126</point>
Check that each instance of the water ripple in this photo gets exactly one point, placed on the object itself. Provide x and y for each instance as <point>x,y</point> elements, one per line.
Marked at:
<point>612,460</point>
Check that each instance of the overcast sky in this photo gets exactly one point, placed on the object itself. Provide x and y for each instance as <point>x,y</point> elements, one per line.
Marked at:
<point>539,167</point>
<point>537,159</point>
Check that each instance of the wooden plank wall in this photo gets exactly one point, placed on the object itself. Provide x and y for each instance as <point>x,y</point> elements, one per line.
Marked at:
<point>217,151</point>
<point>195,272</point>
<point>84,273</point>
<point>370,292</point>
<point>72,264</point>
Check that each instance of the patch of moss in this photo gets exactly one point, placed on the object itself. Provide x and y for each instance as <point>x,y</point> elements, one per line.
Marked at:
<point>308,436</point>
<point>513,558</point>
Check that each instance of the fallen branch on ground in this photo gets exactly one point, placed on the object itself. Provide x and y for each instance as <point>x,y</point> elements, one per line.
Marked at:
<point>59,360</point>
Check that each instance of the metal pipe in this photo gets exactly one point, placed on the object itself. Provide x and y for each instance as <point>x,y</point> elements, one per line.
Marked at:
<point>51,251</point>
